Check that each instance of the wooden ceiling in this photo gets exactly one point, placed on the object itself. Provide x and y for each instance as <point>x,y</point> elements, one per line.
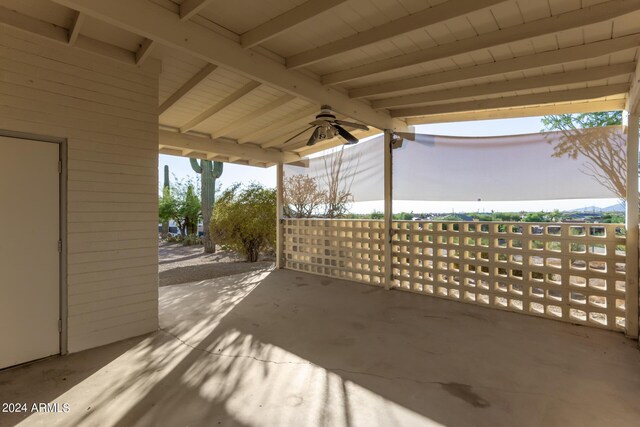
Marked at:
<point>249,74</point>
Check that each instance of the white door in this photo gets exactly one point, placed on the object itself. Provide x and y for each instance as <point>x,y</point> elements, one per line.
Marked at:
<point>29,257</point>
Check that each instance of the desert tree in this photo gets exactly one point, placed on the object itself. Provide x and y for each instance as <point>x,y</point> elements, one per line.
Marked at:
<point>302,197</point>
<point>605,152</point>
<point>181,204</point>
<point>167,210</point>
<point>190,209</point>
<point>338,176</point>
<point>326,191</point>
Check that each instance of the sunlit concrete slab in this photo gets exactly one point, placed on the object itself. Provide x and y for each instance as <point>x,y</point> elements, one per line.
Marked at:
<point>282,348</point>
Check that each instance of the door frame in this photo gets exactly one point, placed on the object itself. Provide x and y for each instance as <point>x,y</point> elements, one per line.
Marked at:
<point>62,230</point>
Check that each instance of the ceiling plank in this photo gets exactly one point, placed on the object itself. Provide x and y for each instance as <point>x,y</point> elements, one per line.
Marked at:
<point>515,101</point>
<point>74,31</point>
<point>284,99</point>
<point>578,18</point>
<point>244,90</point>
<point>633,99</point>
<point>548,80</point>
<point>279,124</point>
<point>185,88</point>
<point>40,28</point>
<point>406,24</point>
<point>296,16</point>
<point>280,139</point>
<point>573,108</point>
<point>190,8</point>
<point>220,147</point>
<point>144,51</point>
<point>152,21</point>
<point>522,63</point>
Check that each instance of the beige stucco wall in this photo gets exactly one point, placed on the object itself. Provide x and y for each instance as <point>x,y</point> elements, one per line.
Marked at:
<point>107,111</point>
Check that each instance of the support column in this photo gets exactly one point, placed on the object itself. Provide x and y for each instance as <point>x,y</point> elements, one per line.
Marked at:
<point>631,302</point>
<point>388,208</point>
<point>279,216</point>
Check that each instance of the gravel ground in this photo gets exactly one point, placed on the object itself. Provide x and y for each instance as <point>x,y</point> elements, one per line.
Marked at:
<point>183,264</point>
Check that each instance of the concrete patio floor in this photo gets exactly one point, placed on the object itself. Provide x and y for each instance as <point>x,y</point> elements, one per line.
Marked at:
<point>281,348</point>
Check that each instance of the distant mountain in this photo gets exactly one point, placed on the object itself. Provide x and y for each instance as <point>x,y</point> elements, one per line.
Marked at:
<point>619,207</point>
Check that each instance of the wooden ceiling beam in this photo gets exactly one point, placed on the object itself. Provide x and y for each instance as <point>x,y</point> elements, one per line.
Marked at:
<point>190,8</point>
<point>572,108</point>
<point>575,19</point>
<point>186,88</point>
<point>28,24</point>
<point>179,143</point>
<point>281,138</point>
<point>547,80</point>
<point>244,90</point>
<point>515,101</point>
<point>277,126</point>
<point>632,104</point>
<point>284,99</point>
<point>74,31</point>
<point>296,16</point>
<point>406,24</point>
<point>144,51</point>
<point>157,23</point>
<point>521,63</point>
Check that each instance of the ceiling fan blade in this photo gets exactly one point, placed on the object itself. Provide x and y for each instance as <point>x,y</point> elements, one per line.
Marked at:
<point>351,124</point>
<point>297,135</point>
<point>346,135</point>
<point>314,137</point>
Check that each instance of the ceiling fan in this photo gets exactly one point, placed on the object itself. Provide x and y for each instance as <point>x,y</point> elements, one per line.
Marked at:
<point>327,126</point>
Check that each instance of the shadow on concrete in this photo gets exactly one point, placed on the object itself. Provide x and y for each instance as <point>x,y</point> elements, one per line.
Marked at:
<point>200,272</point>
<point>46,380</point>
<point>287,348</point>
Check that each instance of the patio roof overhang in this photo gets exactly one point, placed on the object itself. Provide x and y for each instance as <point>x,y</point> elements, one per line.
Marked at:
<point>235,86</point>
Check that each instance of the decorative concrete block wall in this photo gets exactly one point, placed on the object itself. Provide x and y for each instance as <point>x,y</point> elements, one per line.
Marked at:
<point>569,272</point>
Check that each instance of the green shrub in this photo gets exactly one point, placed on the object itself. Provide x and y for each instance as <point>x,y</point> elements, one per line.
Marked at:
<point>244,219</point>
<point>174,238</point>
<point>191,240</point>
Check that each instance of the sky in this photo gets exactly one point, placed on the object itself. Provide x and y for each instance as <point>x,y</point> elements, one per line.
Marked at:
<point>181,168</point>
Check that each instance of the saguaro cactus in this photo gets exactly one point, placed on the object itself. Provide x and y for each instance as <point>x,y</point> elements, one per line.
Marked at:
<point>165,191</point>
<point>209,171</point>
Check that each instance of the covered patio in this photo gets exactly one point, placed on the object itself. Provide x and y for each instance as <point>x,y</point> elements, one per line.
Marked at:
<point>452,323</point>
<point>280,347</point>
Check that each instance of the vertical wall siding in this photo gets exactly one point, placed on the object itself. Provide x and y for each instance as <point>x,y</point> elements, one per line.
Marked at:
<point>108,113</point>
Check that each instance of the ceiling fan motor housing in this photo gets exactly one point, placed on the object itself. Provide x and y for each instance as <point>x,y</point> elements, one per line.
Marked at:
<point>325,113</point>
